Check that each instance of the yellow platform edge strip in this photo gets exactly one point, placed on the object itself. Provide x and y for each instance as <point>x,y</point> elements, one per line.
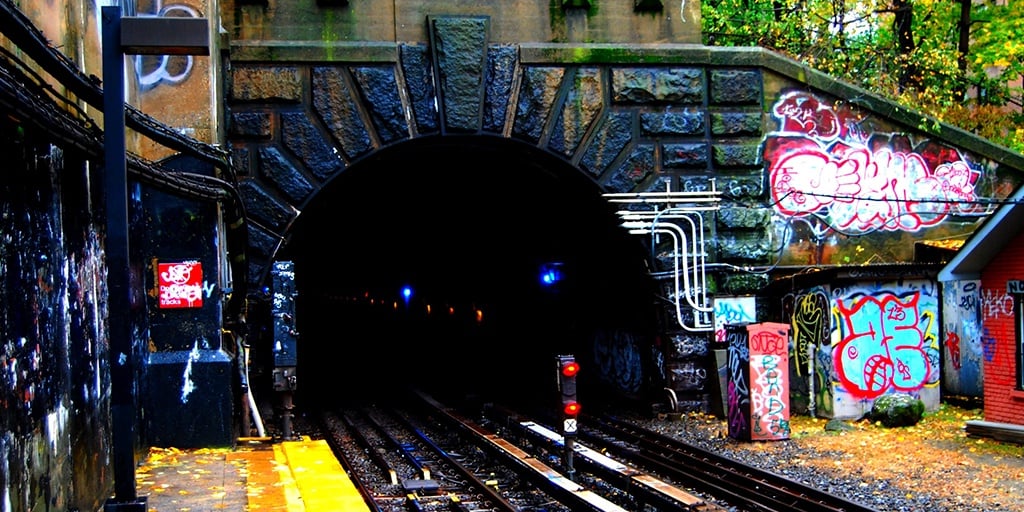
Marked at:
<point>293,496</point>
<point>323,484</point>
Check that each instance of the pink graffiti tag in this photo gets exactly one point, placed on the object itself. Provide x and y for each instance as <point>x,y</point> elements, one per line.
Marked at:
<point>882,347</point>
<point>822,165</point>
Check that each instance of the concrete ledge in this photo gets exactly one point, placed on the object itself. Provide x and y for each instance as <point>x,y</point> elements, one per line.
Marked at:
<point>314,51</point>
<point>1006,432</point>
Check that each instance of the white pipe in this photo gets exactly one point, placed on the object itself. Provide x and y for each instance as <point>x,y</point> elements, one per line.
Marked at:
<point>699,276</point>
<point>694,292</point>
<point>697,251</point>
<point>677,233</point>
<point>687,289</point>
<point>663,197</point>
<point>253,409</point>
<point>255,413</point>
<point>678,205</point>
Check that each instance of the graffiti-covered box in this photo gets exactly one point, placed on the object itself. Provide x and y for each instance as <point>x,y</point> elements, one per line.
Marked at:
<point>758,383</point>
<point>868,333</point>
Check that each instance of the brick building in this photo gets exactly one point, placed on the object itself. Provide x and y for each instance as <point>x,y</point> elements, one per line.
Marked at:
<point>986,276</point>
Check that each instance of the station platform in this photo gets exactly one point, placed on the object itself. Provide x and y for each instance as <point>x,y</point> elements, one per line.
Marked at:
<point>255,475</point>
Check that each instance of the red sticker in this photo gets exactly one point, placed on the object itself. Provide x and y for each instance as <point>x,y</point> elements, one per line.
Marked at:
<point>181,284</point>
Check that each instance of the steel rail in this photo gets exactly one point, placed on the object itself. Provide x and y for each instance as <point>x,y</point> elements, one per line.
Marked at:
<point>746,485</point>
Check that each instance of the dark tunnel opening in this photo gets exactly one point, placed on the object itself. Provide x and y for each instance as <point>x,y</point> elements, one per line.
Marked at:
<point>468,225</point>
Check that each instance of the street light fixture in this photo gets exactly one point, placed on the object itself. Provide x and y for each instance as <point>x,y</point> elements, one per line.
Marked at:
<point>121,36</point>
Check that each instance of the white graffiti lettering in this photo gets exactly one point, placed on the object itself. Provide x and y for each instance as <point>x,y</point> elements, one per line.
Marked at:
<point>995,304</point>
<point>152,70</point>
<point>177,293</point>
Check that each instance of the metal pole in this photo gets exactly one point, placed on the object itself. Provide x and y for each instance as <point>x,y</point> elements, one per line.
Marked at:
<point>570,449</point>
<point>122,368</point>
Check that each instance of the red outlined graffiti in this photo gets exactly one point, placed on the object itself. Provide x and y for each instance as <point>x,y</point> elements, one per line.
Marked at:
<point>953,345</point>
<point>823,165</point>
<point>803,113</point>
<point>767,342</point>
<point>883,345</point>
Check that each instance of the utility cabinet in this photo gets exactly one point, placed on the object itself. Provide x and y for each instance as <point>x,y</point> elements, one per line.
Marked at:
<point>189,376</point>
<point>757,392</point>
<point>285,334</point>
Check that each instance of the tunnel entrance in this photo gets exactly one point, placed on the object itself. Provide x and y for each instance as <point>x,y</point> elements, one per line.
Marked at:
<point>468,224</point>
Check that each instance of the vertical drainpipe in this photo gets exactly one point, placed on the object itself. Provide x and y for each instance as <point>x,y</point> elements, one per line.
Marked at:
<point>122,367</point>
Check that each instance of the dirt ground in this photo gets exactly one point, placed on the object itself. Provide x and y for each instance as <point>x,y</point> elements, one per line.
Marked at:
<point>935,458</point>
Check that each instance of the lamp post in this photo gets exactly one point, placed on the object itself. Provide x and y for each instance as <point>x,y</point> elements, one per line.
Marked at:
<point>121,36</point>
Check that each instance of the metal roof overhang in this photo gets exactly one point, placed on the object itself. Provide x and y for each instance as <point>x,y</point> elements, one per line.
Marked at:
<point>989,240</point>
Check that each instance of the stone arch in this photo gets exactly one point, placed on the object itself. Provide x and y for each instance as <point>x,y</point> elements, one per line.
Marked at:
<point>296,126</point>
<point>301,121</point>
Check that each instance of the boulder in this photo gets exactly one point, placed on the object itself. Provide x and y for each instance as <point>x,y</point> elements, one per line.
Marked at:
<point>897,410</point>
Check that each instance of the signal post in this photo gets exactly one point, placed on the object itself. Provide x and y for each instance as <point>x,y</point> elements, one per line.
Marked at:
<point>567,370</point>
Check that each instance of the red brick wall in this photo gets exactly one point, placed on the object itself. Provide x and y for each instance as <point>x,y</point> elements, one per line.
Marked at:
<point>1004,401</point>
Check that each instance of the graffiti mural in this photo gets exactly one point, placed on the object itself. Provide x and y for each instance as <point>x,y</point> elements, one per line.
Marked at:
<point>757,393</point>
<point>836,176</point>
<point>177,89</point>
<point>811,325</point>
<point>962,352</point>
<point>685,367</point>
<point>737,390</point>
<point>769,383</point>
<point>888,343</point>
<point>618,356</point>
<point>824,393</point>
<point>733,310</point>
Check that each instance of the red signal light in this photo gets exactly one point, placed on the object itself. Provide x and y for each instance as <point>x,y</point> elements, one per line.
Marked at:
<point>571,409</point>
<point>567,370</point>
<point>570,369</point>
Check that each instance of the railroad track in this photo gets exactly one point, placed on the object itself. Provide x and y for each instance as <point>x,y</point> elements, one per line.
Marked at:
<point>426,456</point>
<point>430,457</point>
<point>404,467</point>
<point>730,482</point>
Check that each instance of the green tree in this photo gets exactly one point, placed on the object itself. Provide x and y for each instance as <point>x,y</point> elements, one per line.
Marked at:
<point>954,60</point>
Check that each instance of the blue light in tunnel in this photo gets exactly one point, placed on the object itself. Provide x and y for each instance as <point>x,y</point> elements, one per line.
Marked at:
<point>550,273</point>
<point>406,293</point>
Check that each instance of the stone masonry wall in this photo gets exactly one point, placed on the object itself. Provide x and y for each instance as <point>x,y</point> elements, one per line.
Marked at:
<point>746,124</point>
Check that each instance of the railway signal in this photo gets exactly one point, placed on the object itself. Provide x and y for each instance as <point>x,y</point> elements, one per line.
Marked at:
<point>567,370</point>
